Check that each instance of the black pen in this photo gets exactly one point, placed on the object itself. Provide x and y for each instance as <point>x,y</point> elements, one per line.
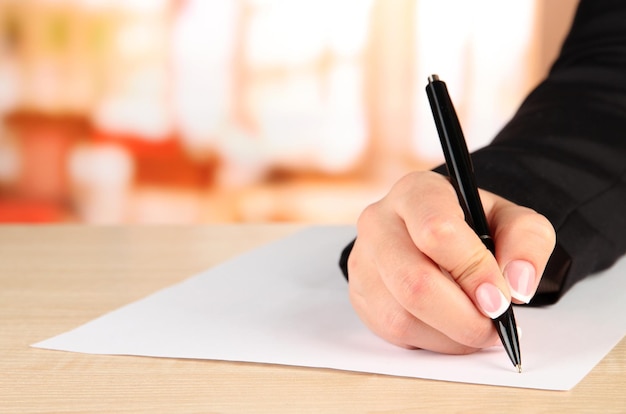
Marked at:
<point>461,172</point>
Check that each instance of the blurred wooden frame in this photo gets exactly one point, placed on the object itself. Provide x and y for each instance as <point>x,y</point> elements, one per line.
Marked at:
<point>553,20</point>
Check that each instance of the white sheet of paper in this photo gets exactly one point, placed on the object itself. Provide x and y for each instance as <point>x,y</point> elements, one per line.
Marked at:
<point>287,303</point>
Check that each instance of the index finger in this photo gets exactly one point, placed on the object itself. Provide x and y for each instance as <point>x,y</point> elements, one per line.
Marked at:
<point>439,230</point>
<point>419,285</point>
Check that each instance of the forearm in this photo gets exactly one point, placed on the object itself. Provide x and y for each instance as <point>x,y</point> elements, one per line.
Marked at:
<point>564,152</point>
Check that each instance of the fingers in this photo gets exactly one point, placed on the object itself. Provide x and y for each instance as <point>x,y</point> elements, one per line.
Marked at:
<point>392,322</point>
<point>438,229</point>
<point>421,278</point>
<point>404,297</point>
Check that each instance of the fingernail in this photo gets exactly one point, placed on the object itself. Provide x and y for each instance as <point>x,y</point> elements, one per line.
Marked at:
<point>521,278</point>
<point>491,300</point>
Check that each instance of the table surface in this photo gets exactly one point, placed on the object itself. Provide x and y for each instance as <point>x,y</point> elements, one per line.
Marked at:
<point>54,278</point>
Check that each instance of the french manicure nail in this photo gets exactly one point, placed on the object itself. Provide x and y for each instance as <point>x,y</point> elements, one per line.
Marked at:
<point>520,276</point>
<point>491,300</point>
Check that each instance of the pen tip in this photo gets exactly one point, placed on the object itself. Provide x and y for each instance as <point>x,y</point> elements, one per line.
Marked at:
<point>433,78</point>
<point>519,368</point>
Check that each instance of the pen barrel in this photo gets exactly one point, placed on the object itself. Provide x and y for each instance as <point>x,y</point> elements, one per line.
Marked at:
<point>461,172</point>
<point>458,161</point>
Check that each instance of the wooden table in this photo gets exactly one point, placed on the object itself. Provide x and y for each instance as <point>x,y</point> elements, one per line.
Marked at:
<point>53,279</point>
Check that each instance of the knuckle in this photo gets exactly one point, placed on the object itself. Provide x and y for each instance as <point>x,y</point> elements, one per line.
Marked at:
<point>415,283</point>
<point>436,229</point>
<point>472,265</point>
<point>396,326</point>
<point>542,227</point>
<point>411,185</point>
<point>536,225</point>
<point>408,181</point>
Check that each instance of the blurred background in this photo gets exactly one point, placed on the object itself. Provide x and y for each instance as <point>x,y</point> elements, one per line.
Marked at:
<point>207,111</point>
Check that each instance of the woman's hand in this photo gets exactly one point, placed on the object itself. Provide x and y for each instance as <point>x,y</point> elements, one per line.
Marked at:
<point>421,278</point>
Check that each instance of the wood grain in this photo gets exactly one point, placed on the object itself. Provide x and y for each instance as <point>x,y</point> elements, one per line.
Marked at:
<point>53,279</point>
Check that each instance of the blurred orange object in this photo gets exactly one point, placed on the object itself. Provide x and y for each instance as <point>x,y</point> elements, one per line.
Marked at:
<point>41,190</point>
<point>26,211</point>
<point>163,162</point>
<point>44,144</point>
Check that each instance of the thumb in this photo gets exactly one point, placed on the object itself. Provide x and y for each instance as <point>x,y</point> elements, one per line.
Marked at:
<point>452,244</point>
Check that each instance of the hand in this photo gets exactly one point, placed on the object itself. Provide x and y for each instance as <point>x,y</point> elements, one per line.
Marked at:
<point>421,278</point>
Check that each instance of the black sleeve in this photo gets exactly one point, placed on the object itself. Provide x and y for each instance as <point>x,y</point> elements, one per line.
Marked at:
<point>564,152</point>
